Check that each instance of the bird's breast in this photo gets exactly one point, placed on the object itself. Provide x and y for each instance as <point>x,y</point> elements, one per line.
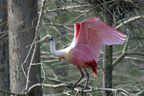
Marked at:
<point>67,54</point>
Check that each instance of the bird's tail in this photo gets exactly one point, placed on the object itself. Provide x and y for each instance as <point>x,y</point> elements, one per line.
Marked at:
<point>93,65</point>
<point>94,71</point>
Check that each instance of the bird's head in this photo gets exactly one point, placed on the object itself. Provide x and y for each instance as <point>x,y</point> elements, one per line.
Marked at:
<point>47,38</point>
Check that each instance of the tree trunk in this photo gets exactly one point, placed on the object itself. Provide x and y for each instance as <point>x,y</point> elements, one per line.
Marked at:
<point>22,21</point>
<point>4,58</point>
<point>108,50</point>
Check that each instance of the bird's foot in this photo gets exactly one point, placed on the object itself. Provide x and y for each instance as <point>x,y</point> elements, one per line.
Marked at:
<point>70,87</point>
<point>83,93</point>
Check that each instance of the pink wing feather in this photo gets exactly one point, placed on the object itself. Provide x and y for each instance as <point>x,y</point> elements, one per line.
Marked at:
<point>94,34</point>
<point>100,31</point>
<point>89,37</point>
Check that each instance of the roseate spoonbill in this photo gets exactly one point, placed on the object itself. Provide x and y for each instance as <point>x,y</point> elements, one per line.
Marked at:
<point>84,51</point>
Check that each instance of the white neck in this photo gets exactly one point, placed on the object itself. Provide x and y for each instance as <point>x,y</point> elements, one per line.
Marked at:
<point>59,53</point>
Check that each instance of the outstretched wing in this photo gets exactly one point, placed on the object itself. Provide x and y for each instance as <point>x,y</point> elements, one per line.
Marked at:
<point>93,33</point>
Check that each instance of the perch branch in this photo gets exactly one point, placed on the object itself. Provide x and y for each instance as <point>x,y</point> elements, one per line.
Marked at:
<point>79,89</point>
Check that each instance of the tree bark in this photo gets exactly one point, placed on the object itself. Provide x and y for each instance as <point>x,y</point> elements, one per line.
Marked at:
<point>108,50</point>
<point>108,68</point>
<point>4,58</point>
<point>22,21</point>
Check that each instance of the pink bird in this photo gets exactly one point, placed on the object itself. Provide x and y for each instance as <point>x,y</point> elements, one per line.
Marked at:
<point>84,51</point>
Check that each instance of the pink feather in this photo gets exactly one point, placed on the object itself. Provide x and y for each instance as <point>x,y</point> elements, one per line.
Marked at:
<point>89,37</point>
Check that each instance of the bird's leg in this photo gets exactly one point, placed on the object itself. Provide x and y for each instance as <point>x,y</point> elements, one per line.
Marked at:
<point>82,75</point>
<point>87,78</point>
<point>86,81</point>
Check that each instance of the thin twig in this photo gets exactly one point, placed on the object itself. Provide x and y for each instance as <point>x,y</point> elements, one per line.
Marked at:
<point>36,37</point>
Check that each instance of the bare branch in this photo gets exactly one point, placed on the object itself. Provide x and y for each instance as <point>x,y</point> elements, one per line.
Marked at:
<point>134,58</point>
<point>113,4</point>
<point>135,53</point>
<point>68,7</point>
<point>130,20</point>
<point>36,37</point>
<point>7,92</point>
<point>124,54</point>
<point>115,62</point>
<point>139,93</point>
<point>47,85</point>
<point>79,89</point>
<point>118,59</point>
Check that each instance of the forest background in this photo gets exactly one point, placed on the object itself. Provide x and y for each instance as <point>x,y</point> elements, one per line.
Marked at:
<point>34,71</point>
